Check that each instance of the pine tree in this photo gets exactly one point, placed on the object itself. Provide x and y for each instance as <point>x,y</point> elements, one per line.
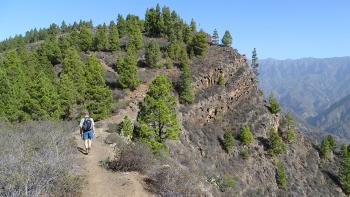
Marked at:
<point>345,150</point>
<point>325,149</point>
<point>168,62</point>
<point>9,109</point>
<point>121,26</point>
<point>15,83</point>
<point>166,15</point>
<point>174,51</point>
<point>101,38</point>
<point>276,144</point>
<point>135,35</point>
<point>154,23</point>
<point>68,94</point>
<point>64,27</point>
<point>113,36</point>
<point>221,79</point>
<point>98,97</point>
<point>200,43</point>
<point>53,29</point>
<point>187,34</point>
<point>274,106</point>
<point>74,68</point>
<point>153,55</point>
<point>215,37</point>
<point>51,50</point>
<point>345,174</point>
<point>193,26</point>
<point>281,175</point>
<point>332,143</point>
<point>126,128</point>
<point>74,39</point>
<point>227,39</point>
<point>127,69</point>
<point>246,136</point>
<point>255,64</point>
<point>44,98</point>
<point>157,115</point>
<point>64,45</point>
<point>85,39</point>
<point>228,141</point>
<point>186,92</point>
<point>290,133</point>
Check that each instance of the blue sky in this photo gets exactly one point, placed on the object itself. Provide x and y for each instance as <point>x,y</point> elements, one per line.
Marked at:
<point>277,28</point>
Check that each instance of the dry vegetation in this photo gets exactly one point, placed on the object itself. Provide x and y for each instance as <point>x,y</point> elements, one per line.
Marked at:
<point>37,158</point>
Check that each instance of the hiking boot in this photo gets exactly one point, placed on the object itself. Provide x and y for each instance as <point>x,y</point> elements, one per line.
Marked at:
<point>87,151</point>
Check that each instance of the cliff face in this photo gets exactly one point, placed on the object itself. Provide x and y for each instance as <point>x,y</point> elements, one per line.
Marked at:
<point>231,106</point>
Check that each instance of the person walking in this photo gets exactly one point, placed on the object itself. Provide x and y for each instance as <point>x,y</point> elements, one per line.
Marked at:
<point>87,129</point>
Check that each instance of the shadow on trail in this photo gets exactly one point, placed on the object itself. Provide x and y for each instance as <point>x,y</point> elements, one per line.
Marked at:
<point>81,150</point>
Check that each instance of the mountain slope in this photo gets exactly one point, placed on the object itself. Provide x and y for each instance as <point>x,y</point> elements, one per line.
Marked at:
<point>230,107</point>
<point>335,119</point>
<point>306,86</point>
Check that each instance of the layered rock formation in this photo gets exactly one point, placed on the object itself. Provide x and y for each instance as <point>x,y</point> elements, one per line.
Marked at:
<point>231,106</point>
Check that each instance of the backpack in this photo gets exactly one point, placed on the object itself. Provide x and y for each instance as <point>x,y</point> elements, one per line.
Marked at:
<point>87,124</point>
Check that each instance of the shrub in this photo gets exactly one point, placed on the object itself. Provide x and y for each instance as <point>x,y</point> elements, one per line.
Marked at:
<point>291,136</point>
<point>274,106</point>
<point>221,79</point>
<point>344,174</point>
<point>168,62</point>
<point>325,148</point>
<point>126,128</point>
<point>332,143</point>
<point>276,144</point>
<point>245,154</point>
<point>281,175</point>
<point>114,138</point>
<point>228,141</point>
<point>113,128</point>
<point>173,181</point>
<point>38,158</point>
<point>133,157</point>
<point>246,136</point>
<point>225,182</point>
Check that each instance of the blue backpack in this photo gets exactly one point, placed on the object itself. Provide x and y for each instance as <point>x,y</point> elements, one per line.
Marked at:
<point>87,124</point>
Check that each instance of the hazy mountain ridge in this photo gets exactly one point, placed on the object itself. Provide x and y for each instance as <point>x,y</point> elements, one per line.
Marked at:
<point>309,86</point>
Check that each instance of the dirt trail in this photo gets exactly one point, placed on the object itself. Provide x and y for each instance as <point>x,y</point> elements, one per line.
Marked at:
<point>99,181</point>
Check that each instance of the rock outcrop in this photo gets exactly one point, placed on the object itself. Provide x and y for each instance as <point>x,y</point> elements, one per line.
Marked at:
<point>231,106</point>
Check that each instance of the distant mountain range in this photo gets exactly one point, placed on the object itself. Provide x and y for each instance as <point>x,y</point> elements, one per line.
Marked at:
<point>316,89</point>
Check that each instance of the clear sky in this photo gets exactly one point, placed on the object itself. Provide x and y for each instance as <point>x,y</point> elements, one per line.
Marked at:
<point>277,28</point>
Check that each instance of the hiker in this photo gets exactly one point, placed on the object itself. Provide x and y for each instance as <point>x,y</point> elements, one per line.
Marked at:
<point>87,129</point>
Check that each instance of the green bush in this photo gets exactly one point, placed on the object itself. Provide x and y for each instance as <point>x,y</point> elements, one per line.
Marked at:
<point>325,149</point>
<point>332,143</point>
<point>281,175</point>
<point>344,174</point>
<point>221,79</point>
<point>276,144</point>
<point>226,182</point>
<point>291,136</point>
<point>228,141</point>
<point>126,128</point>
<point>274,105</point>
<point>245,154</point>
<point>246,136</point>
